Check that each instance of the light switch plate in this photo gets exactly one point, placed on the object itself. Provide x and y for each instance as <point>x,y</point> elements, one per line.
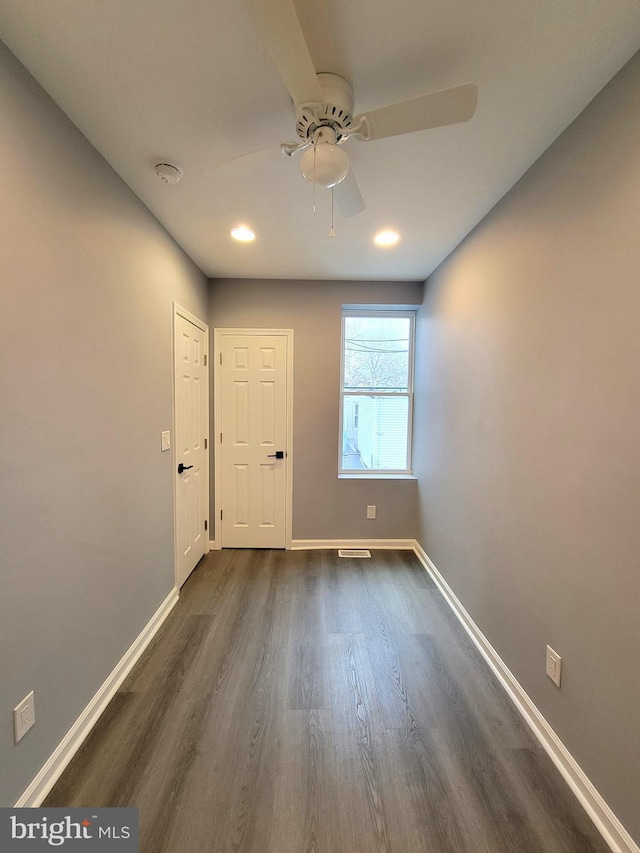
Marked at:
<point>371,512</point>
<point>166,440</point>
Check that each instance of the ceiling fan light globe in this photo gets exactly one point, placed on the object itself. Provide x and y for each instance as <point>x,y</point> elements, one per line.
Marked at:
<point>325,166</point>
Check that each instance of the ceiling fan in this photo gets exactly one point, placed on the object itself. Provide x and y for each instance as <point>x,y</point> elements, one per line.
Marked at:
<point>325,107</point>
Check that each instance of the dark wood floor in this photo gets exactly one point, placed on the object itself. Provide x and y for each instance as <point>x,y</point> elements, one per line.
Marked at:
<point>295,702</point>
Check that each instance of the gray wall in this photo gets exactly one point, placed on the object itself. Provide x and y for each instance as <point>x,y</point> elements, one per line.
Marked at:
<point>86,538</point>
<point>323,506</point>
<point>528,434</point>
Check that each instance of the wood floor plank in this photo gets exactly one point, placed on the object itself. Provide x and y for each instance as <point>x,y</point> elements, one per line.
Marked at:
<point>305,795</point>
<point>308,689</point>
<point>344,594</point>
<point>361,819</point>
<point>353,693</point>
<point>296,702</point>
<point>543,801</point>
<point>421,806</point>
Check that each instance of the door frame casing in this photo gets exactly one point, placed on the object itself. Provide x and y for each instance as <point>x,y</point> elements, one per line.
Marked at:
<point>218,334</point>
<point>178,311</point>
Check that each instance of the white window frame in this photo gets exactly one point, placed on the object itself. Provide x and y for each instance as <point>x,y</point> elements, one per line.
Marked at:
<point>387,311</point>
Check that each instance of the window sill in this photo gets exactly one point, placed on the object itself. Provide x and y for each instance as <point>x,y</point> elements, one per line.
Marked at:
<point>376,475</point>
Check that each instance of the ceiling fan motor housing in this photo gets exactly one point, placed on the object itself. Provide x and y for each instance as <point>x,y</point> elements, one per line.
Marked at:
<point>335,112</point>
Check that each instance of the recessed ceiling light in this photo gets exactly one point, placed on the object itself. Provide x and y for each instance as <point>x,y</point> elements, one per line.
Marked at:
<point>386,238</point>
<point>243,234</point>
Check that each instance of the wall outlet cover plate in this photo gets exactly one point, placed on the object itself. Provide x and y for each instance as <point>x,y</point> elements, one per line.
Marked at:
<point>554,666</point>
<point>24,717</point>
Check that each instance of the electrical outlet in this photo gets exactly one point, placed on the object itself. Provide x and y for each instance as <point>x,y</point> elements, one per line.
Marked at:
<point>371,512</point>
<point>24,716</point>
<point>554,666</point>
<point>165,441</point>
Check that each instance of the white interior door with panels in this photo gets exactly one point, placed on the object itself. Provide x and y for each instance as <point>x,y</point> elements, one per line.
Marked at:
<point>253,437</point>
<point>191,430</point>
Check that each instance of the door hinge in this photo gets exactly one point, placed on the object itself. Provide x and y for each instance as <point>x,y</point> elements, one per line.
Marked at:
<point>205,359</point>
<point>206,524</point>
<point>206,442</point>
<point>220,515</point>
<point>220,438</point>
<point>220,358</point>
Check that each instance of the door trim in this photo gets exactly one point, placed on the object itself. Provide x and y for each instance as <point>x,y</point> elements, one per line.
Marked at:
<point>178,311</point>
<point>218,334</point>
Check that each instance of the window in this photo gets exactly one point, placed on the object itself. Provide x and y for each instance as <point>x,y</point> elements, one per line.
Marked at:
<point>377,391</point>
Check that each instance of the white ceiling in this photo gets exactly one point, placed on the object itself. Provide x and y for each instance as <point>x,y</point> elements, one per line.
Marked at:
<point>189,82</point>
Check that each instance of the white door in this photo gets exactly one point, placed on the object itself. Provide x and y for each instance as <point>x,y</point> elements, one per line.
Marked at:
<point>191,430</point>
<point>253,422</point>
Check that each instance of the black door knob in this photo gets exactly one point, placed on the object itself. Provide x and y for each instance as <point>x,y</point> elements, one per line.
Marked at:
<point>279,454</point>
<point>182,468</point>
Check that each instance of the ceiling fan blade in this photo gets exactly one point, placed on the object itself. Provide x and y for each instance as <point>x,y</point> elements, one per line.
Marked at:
<point>348,197</point>
<point>282,35</point>
<point>243,164</point>
<point>448,106</point>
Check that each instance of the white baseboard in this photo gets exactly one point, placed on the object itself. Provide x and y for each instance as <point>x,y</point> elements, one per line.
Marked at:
<point>604,819</point>
<point>326,544</point>
<point>381,544</point>
<point>72,741</point>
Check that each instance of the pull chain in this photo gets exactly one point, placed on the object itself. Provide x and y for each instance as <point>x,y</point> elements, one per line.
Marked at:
<point>314,177</point>
<point>332,233</point>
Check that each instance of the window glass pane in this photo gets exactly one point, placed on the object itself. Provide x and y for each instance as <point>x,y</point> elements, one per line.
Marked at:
<point>375,431</point>
<point>376,353</point>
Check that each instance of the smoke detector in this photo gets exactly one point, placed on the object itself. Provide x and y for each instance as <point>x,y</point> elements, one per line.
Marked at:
<point>168,173</point>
